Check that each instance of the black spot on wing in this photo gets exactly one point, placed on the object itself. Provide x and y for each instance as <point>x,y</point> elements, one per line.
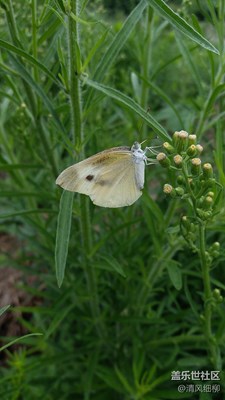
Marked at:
<point>90,177</point>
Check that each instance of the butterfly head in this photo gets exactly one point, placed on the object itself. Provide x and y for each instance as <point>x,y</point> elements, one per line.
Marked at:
<point>138,153</point>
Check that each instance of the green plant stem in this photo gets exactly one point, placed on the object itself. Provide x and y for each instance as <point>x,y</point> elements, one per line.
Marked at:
<point>77,138</point>
<point>205,266</point>
<point>146,65</point>
<point>12,23</point>
<point>208,298</point>
<point>185,173</point>
<point>75,90</point>
<point>35,47</point>
<point>34,36</point>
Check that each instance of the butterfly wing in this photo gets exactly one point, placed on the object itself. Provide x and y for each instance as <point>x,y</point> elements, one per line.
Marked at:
<point>117,186</point>
<point>111,178</point>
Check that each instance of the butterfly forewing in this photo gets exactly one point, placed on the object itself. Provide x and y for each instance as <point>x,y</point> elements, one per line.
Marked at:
<point>111,178</point>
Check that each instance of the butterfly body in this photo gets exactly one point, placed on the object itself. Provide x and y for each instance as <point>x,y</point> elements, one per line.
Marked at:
<point>112,178</point>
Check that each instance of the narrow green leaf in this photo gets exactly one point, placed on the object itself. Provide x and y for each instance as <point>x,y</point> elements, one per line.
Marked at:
<point>181,25</point>
<point>124,380</point>
<point>164,96</point>
<point>204,116</point>
<point>119,40</point>
<point>113,265</point>
<point>60,3</point>
<point>189,61</point>
<point>153,221</point>
<point>153,208</point>
<point>189,298</point>
<point>63,234</point>
<point>11,167</point>
<point>111,379</point>
<point>132,105</point>
<point>94,49</point>
<point>19,339</point>
<point>83,5</point>
<point>59,16</point>
<point>59,317</point>
<point>29,58</point>
<point>80,20</point>
<point>11,97</point>
<point>38,89</point>
<point>175,274</point>
<point>51,32</point>
<point>92,364</point>
<point>23,194</point>
<point>116,45</point>
<point>218,91</point>
<point>13,213</point>
<point>3,309</point>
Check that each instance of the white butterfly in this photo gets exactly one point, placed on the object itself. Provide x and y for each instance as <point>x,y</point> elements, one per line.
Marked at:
<point>112,178</point>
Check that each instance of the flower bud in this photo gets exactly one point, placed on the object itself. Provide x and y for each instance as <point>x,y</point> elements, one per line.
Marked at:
<point>204,215</point>
<point>200,201</point>
<point>183,135</point>
<point>207,203</point>
<point>168,147</point>
<point>191,183</point>
<point>215,246</point>
<point>185,222</point>
<point>207,171</point>
<point>181,180</point>
<point>199,148</point>
<point>202,318</point>
<point>191,151</point>
<point>175,138</point>
<point>179,191</point>
<point>193,227</point>
<point>192,139</point>
<point>215,249</point>
<point>208,258</point>
<point>217,295</point>
<point>196,166</point>
<point>163,160</point>
<point>178,161</point>
<point>188,225</point>
<point>169,190</point>
<point>182,141</point>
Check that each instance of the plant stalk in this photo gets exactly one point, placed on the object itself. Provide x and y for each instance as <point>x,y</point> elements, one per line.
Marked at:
<point>147,50</point>
<point>213,350</point>
<point>208,298</point>
<point>77,139</point>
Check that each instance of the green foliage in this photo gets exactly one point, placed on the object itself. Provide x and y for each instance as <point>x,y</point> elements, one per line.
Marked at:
<point>141,287</point>
<point>199,188</point>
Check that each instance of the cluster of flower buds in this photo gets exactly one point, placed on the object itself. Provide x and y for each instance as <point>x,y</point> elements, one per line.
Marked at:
<point>195,179</point>
<point>217,296</point>
<point>189,231</point>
